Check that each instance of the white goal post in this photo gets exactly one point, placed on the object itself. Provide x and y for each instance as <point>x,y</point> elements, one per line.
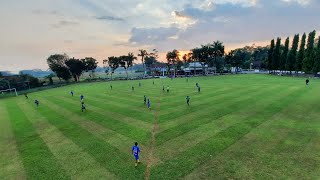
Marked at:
<point>9,90</point>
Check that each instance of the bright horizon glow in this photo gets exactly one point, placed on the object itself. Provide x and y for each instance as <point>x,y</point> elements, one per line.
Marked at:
<point>33,30</point>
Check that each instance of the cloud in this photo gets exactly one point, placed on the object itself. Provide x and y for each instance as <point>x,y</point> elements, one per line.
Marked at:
<point>64,23</point>
<point>179,14</point>
<point>110,18</point>
<point>152,35</point>
<point>302,2</point>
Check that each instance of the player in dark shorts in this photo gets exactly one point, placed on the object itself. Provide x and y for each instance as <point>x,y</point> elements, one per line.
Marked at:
<point>36,102</point>
<point>83,106</point>
<point>168,88</point>
<point>197,85</point>
<point>149,104</point>
<point>135,152</point>
<point>144,99</point>
<point>132,88</point>
<point>198,89</point>
<point>188,100</point>
<point>163,89</point>
<point>307,82</point>
<point>71,92</point>
<point>153,82</point>
<point>111,87</point>
<point>26,95</point>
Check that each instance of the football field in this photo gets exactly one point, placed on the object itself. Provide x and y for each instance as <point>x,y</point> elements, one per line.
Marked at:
<point>237,127</point>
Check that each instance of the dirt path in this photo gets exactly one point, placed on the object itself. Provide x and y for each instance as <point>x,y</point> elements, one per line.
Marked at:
<point>151,158</point>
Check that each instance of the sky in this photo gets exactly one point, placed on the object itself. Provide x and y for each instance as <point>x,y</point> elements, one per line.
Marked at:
<point>33,30</point>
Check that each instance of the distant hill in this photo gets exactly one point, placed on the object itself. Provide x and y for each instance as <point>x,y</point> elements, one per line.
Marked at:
<point>36,72</point>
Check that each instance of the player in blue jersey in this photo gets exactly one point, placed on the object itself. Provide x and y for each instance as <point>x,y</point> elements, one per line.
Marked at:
<point>83,106</point>
<point>135,153</point>
<point>149,104</point>
<point>81,98</point>
<point>144,99</point>
<point>71,92</point>
<point>36,102</point>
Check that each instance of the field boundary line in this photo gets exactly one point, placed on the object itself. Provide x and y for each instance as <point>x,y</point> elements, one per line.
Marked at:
<point>150,159</point>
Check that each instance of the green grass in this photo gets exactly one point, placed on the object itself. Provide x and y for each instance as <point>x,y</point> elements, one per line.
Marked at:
<point>238,127</point>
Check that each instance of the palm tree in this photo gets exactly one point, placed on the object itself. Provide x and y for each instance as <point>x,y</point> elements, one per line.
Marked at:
<point>143,53</point>
<point>218,50</point>
<point>129,62</point>
<point>172,58</point>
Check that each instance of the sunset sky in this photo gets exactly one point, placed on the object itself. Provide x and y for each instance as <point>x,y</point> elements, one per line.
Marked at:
<point>31,30</point>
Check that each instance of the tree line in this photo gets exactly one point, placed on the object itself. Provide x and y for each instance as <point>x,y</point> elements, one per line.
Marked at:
<point>65,68</point>
<point>303,55</point>
<point>305,59</point>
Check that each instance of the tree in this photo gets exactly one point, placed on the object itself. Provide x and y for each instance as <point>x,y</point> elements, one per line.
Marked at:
<point>316,66</point>
<point>143,53</point>
<point>127,61</point>
<point>308,60</point>
<point>217,51</point>
<point>49,77</point>
<point>57,64</point>
<point>300,56</point>
<point>236,58</point>
<point>196,56</point>
<point>276,55</point>
<point>76,67</point>
<point>284,55</point>
<point>172,59</point>
<point>292,56</point>
<point>113,63</point>
<point>270,55</point>
<point>90,64</point>
<point>63,73</point>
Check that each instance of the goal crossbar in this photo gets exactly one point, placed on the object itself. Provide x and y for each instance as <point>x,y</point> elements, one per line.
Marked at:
<point>12,89</point>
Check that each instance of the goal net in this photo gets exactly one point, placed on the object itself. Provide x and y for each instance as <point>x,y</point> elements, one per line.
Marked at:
<point>8,92</point>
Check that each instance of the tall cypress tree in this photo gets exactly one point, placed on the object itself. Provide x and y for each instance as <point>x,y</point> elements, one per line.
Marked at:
<point>284,55</point>
<point>300,55</point>
<point>270,54</point>
<point>276,55</point>
<point>308,60</point>
<point>292,56</point>
<point>316,66</point>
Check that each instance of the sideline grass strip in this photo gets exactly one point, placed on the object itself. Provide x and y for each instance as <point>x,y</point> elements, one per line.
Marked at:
<point>38,161</point>
<point>10,161</point>
<point>108,156</point>
<point>72,158</point>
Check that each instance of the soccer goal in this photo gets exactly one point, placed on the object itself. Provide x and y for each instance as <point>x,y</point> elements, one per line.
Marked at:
<point>8,92</point>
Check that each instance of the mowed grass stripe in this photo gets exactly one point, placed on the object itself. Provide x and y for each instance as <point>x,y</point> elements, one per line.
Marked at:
<point>107,121</point>
<point>78,163</point>
<point>38,161</point>
<point>207,107</point>
<point>203,104</point>
<point>274,150</point>
<point>117,140</point>
<point>124,110</point>
<point>168,149</point>
<point>107,155</point>
<point>111,111</point>
<point>182,164</point>
<point>215,113</point>
<point>10,161</point>
<point>174,101</point>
